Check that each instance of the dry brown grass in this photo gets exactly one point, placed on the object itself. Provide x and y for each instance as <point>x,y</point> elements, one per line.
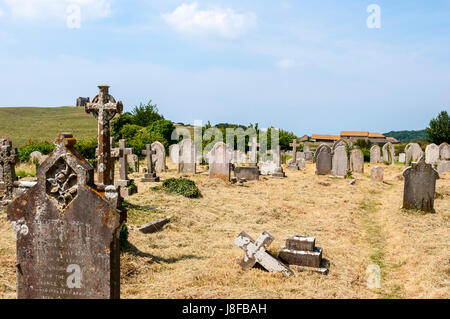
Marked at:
<point>356,225</point>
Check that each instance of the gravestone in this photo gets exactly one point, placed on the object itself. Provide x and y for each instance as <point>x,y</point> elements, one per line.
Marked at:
<point>340,159</point>
<point>420,186</point>
<point>160,157</point>
<point>309,156</point>
<point>37,157</point>
<point>293,161</point>
<point>104,107</point>
<point>174,153</point>
<point>413,153</point>
<point>274,167</point>
<point>444,151</point>
<point>388,153</point>
<point>187,158</point>
<point>255,252</point>
<point>443,166</point>
<point>249,173</point>
<point>150,176</point>
<point>402,158</point>
<point>375,154</point>
<point>431,154</point>
<point>220,161</point>
<point>376,174</point>
<point>323,160</point>
<point>357,161</point>
<point>8,160</point>
<point>123,183</point>
<point>67,231</point>
<point>302,251</point>
<point>82,101</point>
<point>253,153</point>
<point>133,162</point>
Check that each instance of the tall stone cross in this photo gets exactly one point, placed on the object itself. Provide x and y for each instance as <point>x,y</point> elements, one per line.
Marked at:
<point>104,107</point>
<point>150,176</point>
<point>294,146</point>
<point>253,145</point>
<point>255,252</point>
<point>8,160</point>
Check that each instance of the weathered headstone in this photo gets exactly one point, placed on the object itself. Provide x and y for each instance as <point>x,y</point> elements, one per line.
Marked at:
<point>150,176</point>
<point>274,167</point>
<point>376,174</point>
<point>309,156</point>
<point>160,157</point>
<point>357,161</point>
<point>389,153</point>
<point>187,159</point>
<point>104,107</point>
<point>413,153</point>
<point>375,154</point>
<point>126,186</point>
<point>323,160</point>
<point>37,157</point>
<point>220,161</point>
<point>420,186</point>
<point>253,153</point>
<point>443,166</point>
<point>255,252</point>
<point>444,151</point>
<point>8,160</point>
<point>302,251</point>
<point>133,162</point>
<point>67,231</point>
<point>249,173</point>
<point>340,159</point>
<point>431,154</point>
<point>174,153</point>
<point>402,158</point>
<point>293,162</point>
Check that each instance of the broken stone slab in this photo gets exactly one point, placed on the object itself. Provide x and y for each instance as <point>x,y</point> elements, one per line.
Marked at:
<point>301,243</point>
<point>255,252</point>
<point>154,226</point>
<point>301,257</point>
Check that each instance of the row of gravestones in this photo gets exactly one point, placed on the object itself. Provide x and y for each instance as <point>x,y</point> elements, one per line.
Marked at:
<point>438,156</point>
<point>385,154</point>
<point>335,160</point>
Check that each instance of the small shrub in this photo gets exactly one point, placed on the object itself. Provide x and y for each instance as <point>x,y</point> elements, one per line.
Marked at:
<point>87,147</point>
<point>123,236</point>
<point>181,186</point>
<point>132,186</point>
<point>44,147</point>
<point>349,174</point>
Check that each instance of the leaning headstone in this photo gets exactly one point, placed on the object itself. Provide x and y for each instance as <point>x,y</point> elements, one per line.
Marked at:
<point>413,153</point>
<point>302,252</point>
<point>8,160</point>
<point>160,157</point>
<point>150,176</point>
<point>187,158</point>
<point>357,161</point>
<point>444,151</point>
<point>255,252</point>
<point>376,174</point>
<point>388,154</point>
<point>67,230</point>
<point>174,153</point>
<point>340,159</point>
<point>220,161</point>
<point>420,186</point>
<point>154,226</point>
<point>125,184</point>
<point>375,154</point>
<point>431,154</point>
<point>323,160</point>
<point>402,158</point>
<point>104,107</point>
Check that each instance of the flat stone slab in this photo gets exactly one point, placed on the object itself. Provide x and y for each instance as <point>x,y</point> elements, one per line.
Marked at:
<point>301,257</point>
<point>322,271</point>
<point>301,243</point>
<point>154,226</point>
<point>250,173</point>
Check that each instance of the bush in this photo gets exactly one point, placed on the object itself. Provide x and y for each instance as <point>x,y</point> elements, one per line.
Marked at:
<point>129,131</point>
<point>146,114</point>
<point>164,128</point>
<point>44,147</point>
<point>87,148</point>
<point>181,186</point>
<point>144,137</point>
<point>118,123</point>
<point>123,237</point>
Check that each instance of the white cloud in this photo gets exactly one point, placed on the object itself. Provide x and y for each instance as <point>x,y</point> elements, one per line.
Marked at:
<point>41,9</point>
<point>286,63</point>
<point>188,18</point>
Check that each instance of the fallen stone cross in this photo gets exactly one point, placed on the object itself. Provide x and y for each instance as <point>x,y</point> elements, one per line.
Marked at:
<point>255,252</point>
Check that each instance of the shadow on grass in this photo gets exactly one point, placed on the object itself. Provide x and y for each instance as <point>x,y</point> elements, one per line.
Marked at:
<point>133,250</point>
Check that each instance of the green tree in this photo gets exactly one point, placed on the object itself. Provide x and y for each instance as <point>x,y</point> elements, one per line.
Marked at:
<point>439,130</point>
<point>145,114</point>
<point>164,128</point>
<point>129,131</point>
<point>118,123</point>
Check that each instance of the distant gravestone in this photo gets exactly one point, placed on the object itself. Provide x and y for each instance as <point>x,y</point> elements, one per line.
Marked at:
<point>323,160</point>
<point>420,186</point>
<point>431,154</point>
<point>123,182</point>
<point>8,160</point>
<point>133,162</point>
<point>413,153</point>
<point>82,101</point>
<point>37,157</point>
<point>376,174</point>
<point>187,159</point>
<point>402,158</point>
<point>253,153</point>
<point>220,162</point>
<point>340,159</point>
<point>443,166</point>
<point>309,156</point>
<point>375,154</point>
<point>239,157</point>
<point>174,153</point>
<point>249,173</point>
<point>160,157</point>
<point>444,151</point>
<point>357,161</point>
<point>292,164</point>
<point>67,231</point>
<point>388,153</point>
<point>150,175</point>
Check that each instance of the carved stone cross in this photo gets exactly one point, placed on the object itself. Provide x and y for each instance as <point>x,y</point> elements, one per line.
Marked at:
<point>150,176</point>
<point>294,146</point>
<point>253,145</point>
<point>123,160</point>
<point>104,107</point>
<point>255,252</point>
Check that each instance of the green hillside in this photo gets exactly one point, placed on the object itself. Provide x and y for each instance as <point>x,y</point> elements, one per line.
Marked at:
<point>23,124</point>
<point>408,136</point>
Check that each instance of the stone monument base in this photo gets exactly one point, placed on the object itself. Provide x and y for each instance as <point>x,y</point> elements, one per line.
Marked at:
<point>150,178</point>
<point>125,189</point>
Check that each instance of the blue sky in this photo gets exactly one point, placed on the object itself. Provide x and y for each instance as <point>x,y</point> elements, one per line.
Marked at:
<point>307,66</point>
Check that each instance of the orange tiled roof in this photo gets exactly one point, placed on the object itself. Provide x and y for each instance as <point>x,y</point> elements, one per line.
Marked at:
<point>376,135</point>
<point>391,138</point>
<point>349,133</point>
<point>326,137</point>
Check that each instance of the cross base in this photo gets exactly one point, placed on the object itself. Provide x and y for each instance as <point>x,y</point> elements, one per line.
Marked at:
<point>150,178</point>
<point>124,190</point>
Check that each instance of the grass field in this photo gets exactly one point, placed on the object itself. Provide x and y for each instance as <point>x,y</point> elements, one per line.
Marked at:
<point>44,123</point>
<point>356,225</point>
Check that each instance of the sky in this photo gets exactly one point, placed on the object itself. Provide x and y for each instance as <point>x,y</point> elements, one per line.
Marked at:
<point>311,67</point>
